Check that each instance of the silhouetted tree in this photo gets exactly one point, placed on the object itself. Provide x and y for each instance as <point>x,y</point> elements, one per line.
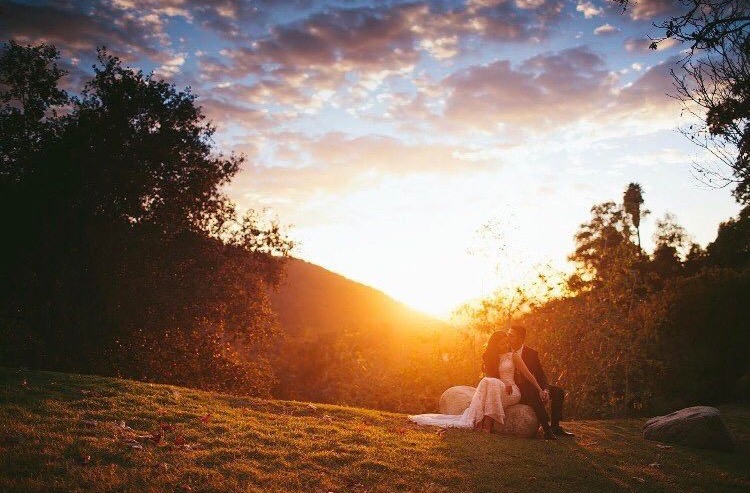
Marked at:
<point>670,244</point>
<point>633,200</point>
<point>125,257</point>
<point>714,85</point>
<point>731,248</point>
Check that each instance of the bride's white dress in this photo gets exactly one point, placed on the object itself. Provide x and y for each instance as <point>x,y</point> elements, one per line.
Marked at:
<point>490,399</point>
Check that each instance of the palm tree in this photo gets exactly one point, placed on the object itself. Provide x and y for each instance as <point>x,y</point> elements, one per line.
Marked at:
<point>633,199</point>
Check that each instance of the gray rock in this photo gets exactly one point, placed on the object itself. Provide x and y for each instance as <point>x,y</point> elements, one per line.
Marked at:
<point>699,427</point>
<point>456,399</point>
<point>520,419</point>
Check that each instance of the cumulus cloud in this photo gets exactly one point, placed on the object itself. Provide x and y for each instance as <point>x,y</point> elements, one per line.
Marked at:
<point>74,30</point>
<point>606,30</point>
<point>544,90</point>
<point>588,9</point>
<point>336,162</point>
<point>642,45</point>
<point>649,93</point>
<point>654,9</point>
<point>171,67</point>
<point>551,90</point>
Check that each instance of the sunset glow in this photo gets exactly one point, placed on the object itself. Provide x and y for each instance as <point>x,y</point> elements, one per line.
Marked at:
<point>388,133</point>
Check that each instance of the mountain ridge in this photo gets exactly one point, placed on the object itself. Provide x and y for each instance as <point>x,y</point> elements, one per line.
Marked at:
<point>313,296</point>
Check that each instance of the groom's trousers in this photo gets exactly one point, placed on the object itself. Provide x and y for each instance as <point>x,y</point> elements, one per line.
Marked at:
<point>531,397</point>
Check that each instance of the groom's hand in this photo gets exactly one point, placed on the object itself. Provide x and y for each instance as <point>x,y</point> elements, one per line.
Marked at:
<point>544,395</point>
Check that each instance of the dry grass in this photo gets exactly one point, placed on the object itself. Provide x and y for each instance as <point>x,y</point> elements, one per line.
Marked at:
<point>61,432</point>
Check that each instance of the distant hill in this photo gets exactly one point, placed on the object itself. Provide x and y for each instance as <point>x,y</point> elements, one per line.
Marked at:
<point>314,297</point>
<point>345,342</point>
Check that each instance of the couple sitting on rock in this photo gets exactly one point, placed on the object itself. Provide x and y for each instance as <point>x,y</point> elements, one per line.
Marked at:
<point>513,375</point>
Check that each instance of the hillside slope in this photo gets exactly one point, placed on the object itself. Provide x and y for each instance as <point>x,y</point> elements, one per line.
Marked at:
<point>312,296</point>
<point>61,432</point>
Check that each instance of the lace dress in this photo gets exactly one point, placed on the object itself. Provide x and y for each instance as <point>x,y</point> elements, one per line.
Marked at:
<point>490,399</point>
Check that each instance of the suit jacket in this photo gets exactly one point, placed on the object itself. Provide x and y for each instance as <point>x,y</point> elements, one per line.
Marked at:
<point>531,358</point>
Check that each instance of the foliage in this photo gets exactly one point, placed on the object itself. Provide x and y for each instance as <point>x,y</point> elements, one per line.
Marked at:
<point>731,248</point>
<point>381,367</point>
<point>639,334</point>
<point>61,432</point>
<point>714,84</point>
<point>126,258</point>
<point>632,201</point>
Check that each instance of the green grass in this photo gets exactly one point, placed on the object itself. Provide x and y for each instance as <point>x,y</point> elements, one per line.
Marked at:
<point>60,432</point>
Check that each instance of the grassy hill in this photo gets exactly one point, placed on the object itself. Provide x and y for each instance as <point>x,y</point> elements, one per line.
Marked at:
<point>61,432</point>
<point>312,296</point>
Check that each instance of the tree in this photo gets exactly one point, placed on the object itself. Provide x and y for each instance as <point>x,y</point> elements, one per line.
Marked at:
<point>714,85</point>
<point>671,244</point>
<point>731,248</point>
<point>604,248</point>
<point>29,76</point>
<point>633,200</point>
<point>126,258</point>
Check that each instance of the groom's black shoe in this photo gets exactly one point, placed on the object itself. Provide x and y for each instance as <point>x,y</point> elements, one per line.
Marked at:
<point>562,433</point>
<point>548,434</point>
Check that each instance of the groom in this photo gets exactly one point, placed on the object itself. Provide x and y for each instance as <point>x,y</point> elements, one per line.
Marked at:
<point>529,395</point>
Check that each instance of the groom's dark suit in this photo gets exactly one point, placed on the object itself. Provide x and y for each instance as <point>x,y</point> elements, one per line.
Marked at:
<point>530,396</point>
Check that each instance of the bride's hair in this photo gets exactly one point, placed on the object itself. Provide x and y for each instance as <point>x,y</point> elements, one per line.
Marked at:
<point>492,351</point>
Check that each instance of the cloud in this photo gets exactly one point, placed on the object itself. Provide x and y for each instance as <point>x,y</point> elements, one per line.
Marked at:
<point>171,67</point>
<point>74,30</point>
<point>553,90</point>
<point>545,90</point>
<point>300,167</point>
<point>649,93</point>
<point>656,10</point>
<point>642,45</point>
<point>606,30</point>
<point>588,9</point>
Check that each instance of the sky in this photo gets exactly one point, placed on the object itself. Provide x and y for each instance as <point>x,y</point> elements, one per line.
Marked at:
<point>388,134</point>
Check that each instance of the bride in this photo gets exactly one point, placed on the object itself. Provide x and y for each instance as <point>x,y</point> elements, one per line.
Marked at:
<point>496,391</point>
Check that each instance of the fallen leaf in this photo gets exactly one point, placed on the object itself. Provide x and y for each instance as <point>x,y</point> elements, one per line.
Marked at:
<point>179,440</point>
<point>327,418</point>
<point>156,436</point>
<point>186,487</point>
<point>205,419</point>
<point>92,423</point>
<point>84,459</point>
<point>136,446</point>
<point>167,427</point>
<point>641,480</point>
<point>654,464</point>
<point>312,406</point>
<point>125,427</point>
<point>401,431</point>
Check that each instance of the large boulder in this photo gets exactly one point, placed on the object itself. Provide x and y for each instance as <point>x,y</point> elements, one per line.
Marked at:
<point>456,399</point>
<point>699,426</point>
<point>520,419</point>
